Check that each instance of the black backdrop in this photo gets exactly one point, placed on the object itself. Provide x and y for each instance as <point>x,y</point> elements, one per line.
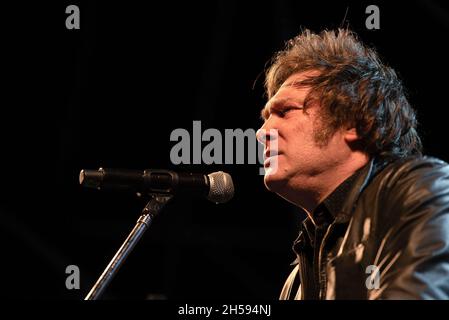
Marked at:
<point>111,93</point>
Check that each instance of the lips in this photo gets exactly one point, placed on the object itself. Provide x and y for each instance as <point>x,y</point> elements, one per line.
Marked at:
<point>270,153</point>
<point>269,157</point>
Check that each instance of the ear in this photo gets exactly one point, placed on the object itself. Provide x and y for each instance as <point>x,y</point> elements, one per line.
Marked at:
<point>350,135</point>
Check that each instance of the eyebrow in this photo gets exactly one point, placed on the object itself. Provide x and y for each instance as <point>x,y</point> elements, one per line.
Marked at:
<point>273,104</point>
<point>295,84</point>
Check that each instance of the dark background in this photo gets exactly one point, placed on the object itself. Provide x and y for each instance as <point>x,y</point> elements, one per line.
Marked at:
<point>111,93</point>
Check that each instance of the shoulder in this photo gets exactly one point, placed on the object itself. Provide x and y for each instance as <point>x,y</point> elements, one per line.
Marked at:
<point>414,184</point>
<point>413,227</point>
<point>417,162</point>
<point>419,171</point>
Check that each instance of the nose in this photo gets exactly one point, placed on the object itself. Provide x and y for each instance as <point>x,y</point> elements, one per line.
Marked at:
<point>266,133</point>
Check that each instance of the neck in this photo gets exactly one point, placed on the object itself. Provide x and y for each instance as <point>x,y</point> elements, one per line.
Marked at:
<point>313,190</point>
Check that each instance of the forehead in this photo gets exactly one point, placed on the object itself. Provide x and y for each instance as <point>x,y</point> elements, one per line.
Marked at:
<point>290,90</point>
<point>292,85</point>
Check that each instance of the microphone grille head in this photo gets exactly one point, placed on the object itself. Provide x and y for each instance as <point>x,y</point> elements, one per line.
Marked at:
<point>221,187</point>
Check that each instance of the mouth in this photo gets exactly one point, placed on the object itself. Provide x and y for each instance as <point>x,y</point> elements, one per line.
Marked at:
<point>269,157</point>
<point>271,153</point>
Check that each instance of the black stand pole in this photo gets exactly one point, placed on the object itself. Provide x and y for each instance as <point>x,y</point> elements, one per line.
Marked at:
<point>148,213</point>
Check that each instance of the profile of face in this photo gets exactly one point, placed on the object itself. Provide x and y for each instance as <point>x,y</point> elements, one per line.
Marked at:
<point>300,164</point>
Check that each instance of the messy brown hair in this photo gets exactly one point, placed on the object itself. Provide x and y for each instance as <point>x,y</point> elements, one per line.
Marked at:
<point>353,87</point>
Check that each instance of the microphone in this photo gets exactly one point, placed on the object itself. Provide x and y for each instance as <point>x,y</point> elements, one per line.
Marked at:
<point>216,187</point>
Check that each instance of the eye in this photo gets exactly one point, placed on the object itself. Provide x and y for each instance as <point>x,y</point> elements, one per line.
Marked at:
<point>287,109</point>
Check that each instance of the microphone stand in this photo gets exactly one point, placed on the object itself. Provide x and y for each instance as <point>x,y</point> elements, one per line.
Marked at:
<point>151,209</point>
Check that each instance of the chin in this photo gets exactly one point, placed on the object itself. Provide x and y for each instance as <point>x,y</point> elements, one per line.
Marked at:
<point>274,182</point>
<point>279,186</point>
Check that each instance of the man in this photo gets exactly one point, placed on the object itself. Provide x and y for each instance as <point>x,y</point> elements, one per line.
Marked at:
<point>341,144</point>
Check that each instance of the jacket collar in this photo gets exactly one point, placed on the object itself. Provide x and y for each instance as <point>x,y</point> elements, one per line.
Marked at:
<point>354,187</point>
<point>360,183</point>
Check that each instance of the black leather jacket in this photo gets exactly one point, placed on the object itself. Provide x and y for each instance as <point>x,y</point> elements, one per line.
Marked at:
<point>395,238</point>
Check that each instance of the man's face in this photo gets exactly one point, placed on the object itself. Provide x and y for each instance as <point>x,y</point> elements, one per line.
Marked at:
<point>299,160</point>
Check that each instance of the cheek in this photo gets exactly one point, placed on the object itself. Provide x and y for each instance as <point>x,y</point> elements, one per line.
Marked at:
<point>301,143</point>
<point>297,136</point>
<point>303,152</point>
